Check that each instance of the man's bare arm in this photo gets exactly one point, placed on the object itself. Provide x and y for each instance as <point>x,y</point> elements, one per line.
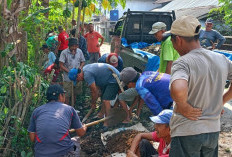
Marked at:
<point>168,67</point>
<point>94,94</point>
<point>179,93</point>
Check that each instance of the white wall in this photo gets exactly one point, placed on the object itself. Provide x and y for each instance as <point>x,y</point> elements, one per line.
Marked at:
<point>137,5</point>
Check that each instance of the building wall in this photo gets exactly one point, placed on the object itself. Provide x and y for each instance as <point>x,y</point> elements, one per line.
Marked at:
<point>137,5</point>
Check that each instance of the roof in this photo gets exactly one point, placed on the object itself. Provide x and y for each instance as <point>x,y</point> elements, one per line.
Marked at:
<point>198,12</point>
<point>181,4</point>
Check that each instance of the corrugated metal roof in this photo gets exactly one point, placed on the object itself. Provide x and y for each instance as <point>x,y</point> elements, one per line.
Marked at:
<point>198,12</point>
<point>180,4</point>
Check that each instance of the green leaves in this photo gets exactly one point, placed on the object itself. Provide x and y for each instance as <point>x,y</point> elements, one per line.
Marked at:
<point>3,89</point>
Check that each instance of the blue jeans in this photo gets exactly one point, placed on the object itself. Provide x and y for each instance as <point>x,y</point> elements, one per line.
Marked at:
<point>202,145</point>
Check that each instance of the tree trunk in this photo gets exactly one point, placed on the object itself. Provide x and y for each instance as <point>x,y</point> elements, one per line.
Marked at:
<point>78,18</point>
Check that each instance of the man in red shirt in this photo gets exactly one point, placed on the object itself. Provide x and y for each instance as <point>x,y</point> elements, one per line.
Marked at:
<point>93,44</point>
<point>62,41</point>
<point>141,145</point>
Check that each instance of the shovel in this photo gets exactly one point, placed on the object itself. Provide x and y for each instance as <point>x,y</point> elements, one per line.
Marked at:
<point>115,116</point>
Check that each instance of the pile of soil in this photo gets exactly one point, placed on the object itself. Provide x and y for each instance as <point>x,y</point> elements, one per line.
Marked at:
<point>154,49</point>
<point>93,146</point>
<point>121,142</point>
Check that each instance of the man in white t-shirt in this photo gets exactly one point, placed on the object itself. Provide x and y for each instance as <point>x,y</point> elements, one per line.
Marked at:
<point>197,85</point>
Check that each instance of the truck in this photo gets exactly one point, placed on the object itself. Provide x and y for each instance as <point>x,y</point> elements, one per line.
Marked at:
<point>134,26</point>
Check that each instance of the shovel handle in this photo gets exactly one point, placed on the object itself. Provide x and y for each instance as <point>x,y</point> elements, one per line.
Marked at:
<point>91,124</point>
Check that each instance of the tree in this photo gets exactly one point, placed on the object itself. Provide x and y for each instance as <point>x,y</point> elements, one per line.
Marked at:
<point>226,7</point>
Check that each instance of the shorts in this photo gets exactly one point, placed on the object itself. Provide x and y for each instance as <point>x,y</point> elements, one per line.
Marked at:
<point>76,149</point>
<point>110,91</point>
<point>77,89</point>
<point>93,57</point>
<point>128,95</point>
<point>202,145</point>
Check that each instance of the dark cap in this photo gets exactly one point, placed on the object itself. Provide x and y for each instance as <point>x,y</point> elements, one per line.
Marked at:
<point>72,41</point>
<point>128,75</point>
<point>209,20</point>
<point>44,46</point>
<point>54,91</point>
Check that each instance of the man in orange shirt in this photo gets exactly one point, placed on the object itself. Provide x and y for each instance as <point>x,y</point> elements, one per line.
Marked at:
<point>93,44</point>
<point>62,41</point>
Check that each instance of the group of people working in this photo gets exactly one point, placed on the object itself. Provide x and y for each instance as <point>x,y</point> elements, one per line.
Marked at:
<point>185,96</point>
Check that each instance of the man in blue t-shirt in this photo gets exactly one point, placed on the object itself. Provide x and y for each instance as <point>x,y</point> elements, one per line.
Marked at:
<point>152,87</point>
<point>99,75</point>
<point>209,36</point>
<point>112,59</point>
<point>50,124</point>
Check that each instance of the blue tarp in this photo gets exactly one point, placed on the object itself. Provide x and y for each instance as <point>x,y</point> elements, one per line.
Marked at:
<point>153,60</point>
<point>228,55</point>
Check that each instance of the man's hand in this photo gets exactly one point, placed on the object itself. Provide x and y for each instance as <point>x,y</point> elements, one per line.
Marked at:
<point>131,154</point>
<point>98,45</point>
<point>190,112</point>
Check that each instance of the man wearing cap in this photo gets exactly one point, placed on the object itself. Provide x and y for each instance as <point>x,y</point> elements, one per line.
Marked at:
<point>99,75</point>
<point>50,124</point>
<point>93,45</point>
<point>167,54</point>
<point>62,41</point>
<point>52,41</point>
<point>70,58</point>
<point>82,43</point>
<point>209,36</point>
<point>197,85</point>
<point>51,56</point>
<point>112,59</point>
<point>152,87</point>
<point>141,145</point>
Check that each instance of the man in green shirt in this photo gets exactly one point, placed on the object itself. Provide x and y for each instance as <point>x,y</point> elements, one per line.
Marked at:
<point>168,54</point>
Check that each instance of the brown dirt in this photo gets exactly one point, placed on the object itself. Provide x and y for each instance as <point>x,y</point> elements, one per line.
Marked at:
<point>154,49</point>
<point>121,142</point>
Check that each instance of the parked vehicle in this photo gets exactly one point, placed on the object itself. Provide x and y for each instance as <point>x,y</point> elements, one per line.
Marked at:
<point>134,26</point>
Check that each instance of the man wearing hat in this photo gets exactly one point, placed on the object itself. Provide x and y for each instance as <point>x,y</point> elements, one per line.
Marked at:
<point>141,145</point>
<point>112,59</point>
<point>99,76</point>
<point>167,54</point>
<point>152,87</point>
<point>52,41</point>
<point>51,56</point>
<point>209,36</point>
<point>197,85</point>
<point>50,124</point>
<point>70,58</point>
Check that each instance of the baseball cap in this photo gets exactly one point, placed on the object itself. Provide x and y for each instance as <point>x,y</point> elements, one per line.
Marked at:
<point>44,46</point>
<point>163,117</point>
<point>72,75</point>
<point>127,75</point>
<point>113,59</point>
<point>186,26</point>
<point>72,41</point>
<point>54,91</point>
<point>157,27</point>
<point>209,20</point>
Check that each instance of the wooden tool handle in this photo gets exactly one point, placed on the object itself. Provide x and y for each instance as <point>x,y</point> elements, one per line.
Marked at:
<point>91,124</point>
